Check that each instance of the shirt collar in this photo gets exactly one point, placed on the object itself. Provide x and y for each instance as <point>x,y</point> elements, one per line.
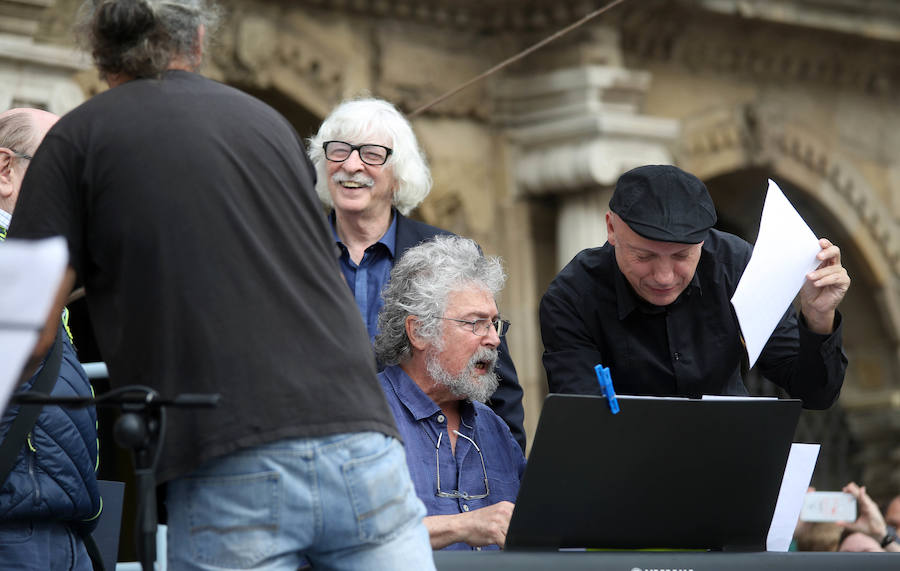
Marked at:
<point>389,239</point>
<point>627,301</point>
<point>420,405</point>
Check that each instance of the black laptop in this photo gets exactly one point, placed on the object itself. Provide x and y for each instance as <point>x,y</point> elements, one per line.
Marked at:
<point>660,474</point>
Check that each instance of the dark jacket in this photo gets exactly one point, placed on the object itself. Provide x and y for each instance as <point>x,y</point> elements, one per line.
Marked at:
<point>54,477</point>
<point>507,399</point>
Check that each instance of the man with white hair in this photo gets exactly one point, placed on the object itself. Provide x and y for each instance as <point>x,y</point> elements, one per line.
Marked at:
<point>21,131</point>
<point>372,173</point>
<point>439,335</point>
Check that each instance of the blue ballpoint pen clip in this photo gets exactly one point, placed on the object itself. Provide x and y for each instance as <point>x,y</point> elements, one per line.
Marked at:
<point>606,387</point>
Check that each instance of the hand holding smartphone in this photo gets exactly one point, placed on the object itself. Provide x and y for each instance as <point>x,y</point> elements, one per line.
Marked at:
<point>828,506</point>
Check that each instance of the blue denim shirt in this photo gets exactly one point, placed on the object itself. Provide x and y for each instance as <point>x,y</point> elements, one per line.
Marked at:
<point>420,421</point>
<point>367,279</point>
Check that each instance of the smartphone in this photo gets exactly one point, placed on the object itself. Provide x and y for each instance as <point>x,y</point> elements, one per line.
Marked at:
<point>828,506</point>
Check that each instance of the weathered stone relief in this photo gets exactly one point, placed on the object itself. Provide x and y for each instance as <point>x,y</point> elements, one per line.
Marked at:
<point>418,65</point>
<point>704,42</point>
<point>34,73</point>
<point>579,128</point>
<point>316,61</point>
<point>731,139</point>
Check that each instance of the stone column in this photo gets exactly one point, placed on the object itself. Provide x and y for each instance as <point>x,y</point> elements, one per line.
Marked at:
<point>574,131</point>
<point>35,74</point>
<point>570,133</point>
<point>581,223</point>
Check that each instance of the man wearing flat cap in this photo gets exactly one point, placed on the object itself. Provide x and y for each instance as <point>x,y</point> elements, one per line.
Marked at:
<point>654,304</point>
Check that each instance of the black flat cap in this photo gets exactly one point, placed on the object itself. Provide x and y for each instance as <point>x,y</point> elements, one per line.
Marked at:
<point>664,203</point>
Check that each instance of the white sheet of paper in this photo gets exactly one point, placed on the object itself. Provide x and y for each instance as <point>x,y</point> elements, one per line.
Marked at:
<point>32,272</point>
<point>784,253</point>
<point>797,475</point>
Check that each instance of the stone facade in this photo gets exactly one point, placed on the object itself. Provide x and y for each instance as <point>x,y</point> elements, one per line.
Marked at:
<point>34,73</point>
<point>800,91</point>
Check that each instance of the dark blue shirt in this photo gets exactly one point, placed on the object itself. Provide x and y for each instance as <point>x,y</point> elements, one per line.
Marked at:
<point>367,279</point>
<point>420,422</point>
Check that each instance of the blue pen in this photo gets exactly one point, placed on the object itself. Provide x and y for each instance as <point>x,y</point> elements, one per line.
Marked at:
<point>606,387</point>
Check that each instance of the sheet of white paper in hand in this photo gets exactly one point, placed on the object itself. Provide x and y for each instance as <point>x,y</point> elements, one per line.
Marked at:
<point>784,253</point>
<point>32,272</point>
<point>797,475</point>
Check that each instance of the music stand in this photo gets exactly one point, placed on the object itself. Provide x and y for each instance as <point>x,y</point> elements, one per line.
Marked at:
<point>663,473</point>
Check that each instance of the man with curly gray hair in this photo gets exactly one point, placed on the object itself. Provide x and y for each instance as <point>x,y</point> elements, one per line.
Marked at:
<point>372,173</point>
<point>439,335</point>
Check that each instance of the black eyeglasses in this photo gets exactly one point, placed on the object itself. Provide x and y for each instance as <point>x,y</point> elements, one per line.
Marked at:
<point>339,151</point>
<point>481,327</point>
<point>456,494</point>
<point>20,155</point>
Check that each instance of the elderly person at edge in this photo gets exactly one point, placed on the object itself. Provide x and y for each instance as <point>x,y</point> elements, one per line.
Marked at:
<point>50,500</point>
<point>440,333</point>
<point>183,202</point>
<point>372,173</point>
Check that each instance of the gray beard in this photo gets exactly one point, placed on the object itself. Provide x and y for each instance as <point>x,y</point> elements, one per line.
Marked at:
<point>467,384</point>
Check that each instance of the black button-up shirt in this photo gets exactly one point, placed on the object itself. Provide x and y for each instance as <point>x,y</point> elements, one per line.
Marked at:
<point>590,315</point>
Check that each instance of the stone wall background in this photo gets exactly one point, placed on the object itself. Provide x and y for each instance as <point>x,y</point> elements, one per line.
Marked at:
<point>802,91</point>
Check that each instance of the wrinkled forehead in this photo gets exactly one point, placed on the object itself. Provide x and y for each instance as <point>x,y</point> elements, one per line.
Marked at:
<point>471,298</point>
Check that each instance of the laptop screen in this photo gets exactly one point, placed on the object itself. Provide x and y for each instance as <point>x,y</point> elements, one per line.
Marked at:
<point>663,473</point>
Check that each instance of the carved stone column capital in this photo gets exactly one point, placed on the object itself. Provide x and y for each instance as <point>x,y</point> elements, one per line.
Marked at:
<point>32,73</point>
<point>589,163</point>
<point>579,128</point>
<point>573,132</point>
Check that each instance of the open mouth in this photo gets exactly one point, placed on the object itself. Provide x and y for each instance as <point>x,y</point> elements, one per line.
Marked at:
<point>483,365</point>
<point>353,184</point>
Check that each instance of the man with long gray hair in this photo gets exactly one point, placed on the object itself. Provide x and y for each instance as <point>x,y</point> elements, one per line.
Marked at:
<point>439,335</point>
<point>191,219</point>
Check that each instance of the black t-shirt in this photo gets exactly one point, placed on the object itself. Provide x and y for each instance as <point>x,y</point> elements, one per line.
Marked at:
<point>192,221</point>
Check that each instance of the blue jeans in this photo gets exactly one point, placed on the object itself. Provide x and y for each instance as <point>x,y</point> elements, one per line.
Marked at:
<point>342,502</point>
<point>41,546</point>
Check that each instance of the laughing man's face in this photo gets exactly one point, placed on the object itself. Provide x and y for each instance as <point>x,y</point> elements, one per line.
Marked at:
<point>360,188</point>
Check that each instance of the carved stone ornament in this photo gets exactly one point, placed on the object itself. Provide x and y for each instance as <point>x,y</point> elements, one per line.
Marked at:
<point>768,51</point>
<point>730,139</point>
<point>316,62</point>
<point>579,128</point>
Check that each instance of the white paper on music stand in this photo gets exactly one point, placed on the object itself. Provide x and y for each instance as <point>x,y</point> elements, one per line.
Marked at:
<point>784,253</point>
<point>32,272</point>
<point>797,475</point>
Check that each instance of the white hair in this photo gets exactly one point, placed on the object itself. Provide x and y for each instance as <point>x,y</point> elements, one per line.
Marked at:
<point>361,120</point>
